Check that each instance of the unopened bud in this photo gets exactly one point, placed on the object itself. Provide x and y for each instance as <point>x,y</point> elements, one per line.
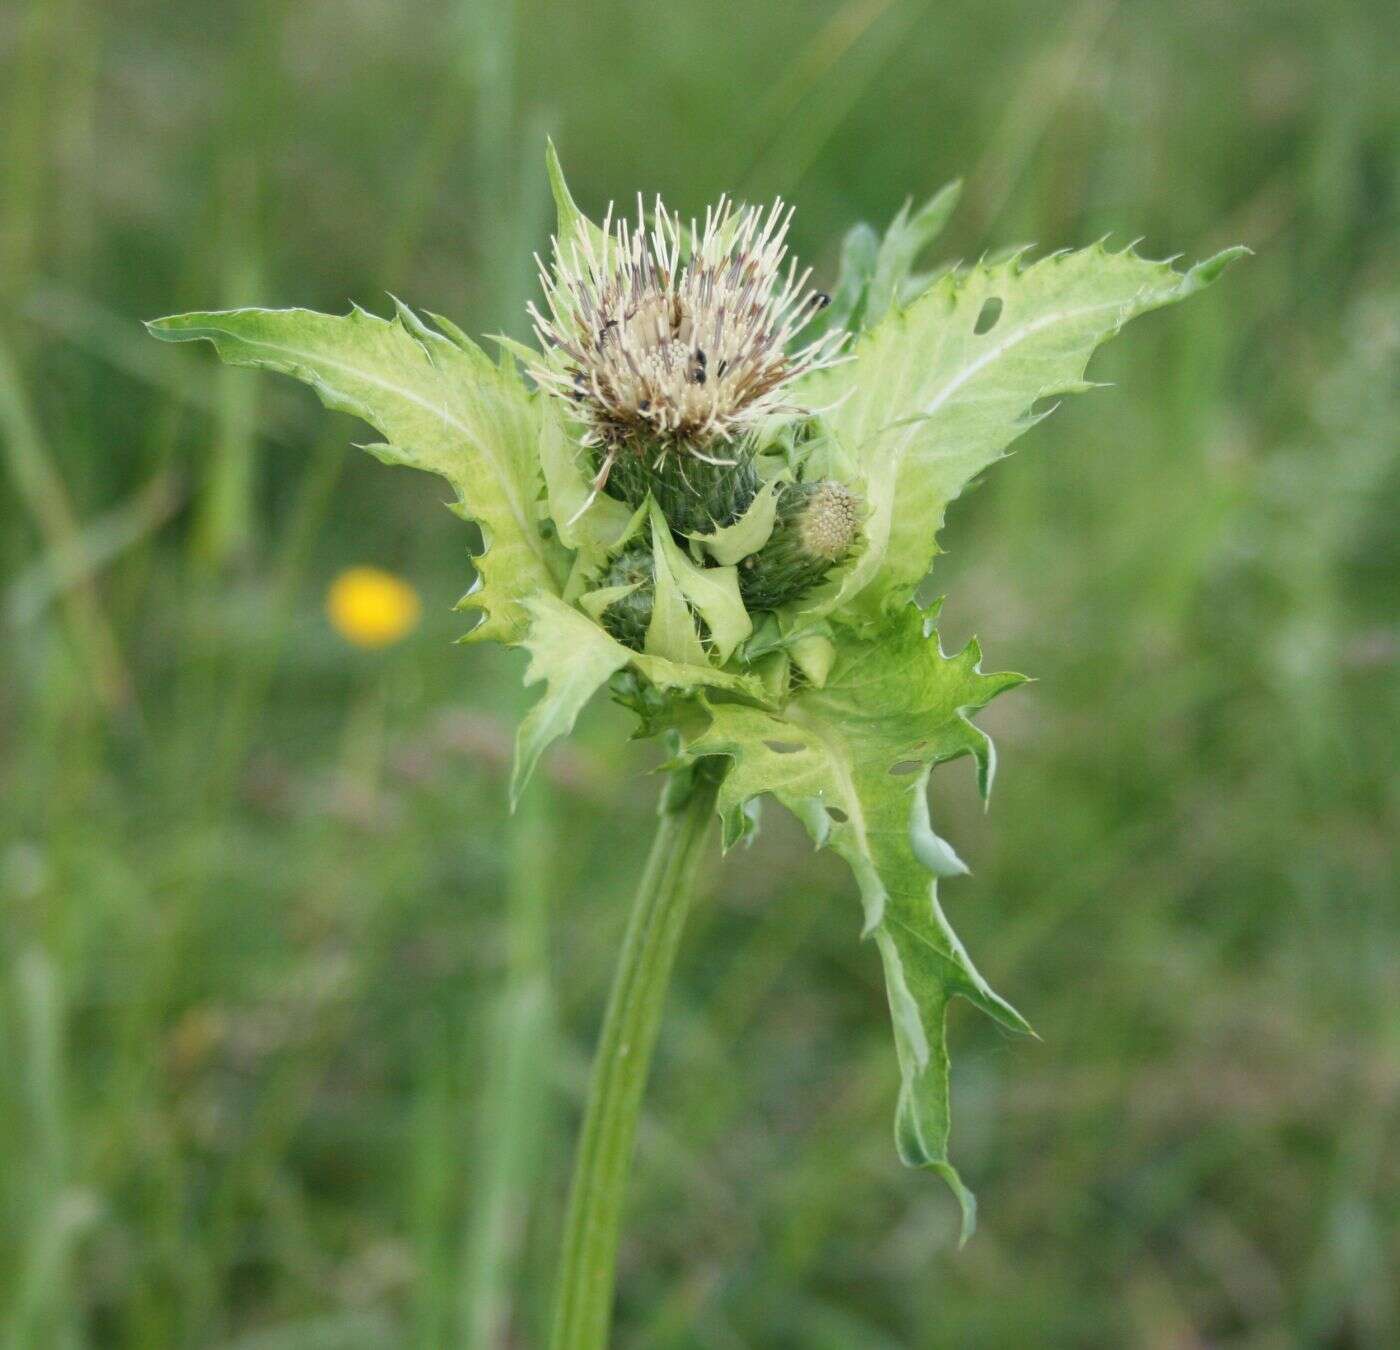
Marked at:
<point>817,525</point>
<point>695,495</point>
<point>629,618</point>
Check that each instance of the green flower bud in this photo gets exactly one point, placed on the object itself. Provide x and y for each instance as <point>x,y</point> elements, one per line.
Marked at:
<point>628,619</point>
<point>695,495</point>
<point>816,528</point>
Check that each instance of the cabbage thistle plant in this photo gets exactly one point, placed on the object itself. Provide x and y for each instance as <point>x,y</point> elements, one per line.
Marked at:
<point>713,491</point>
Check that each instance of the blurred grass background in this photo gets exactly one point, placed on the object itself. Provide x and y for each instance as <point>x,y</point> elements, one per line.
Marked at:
<point>294,1023</point>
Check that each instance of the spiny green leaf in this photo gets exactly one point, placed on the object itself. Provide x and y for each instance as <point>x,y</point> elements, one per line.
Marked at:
<point>937,391</point>
<point>813,653</point>
<point>441,404</point>
<point>593,603</point>
<point>860,250</point>
<point>875,271</point>
<point>685,680</point>
<point>671,633</point>
<point>731,544</point>
<point>712,591</point>
<point>574,657</point>
<point>852,762</point>
<point>906,239</point>
<point>585,518</point>
<point>574,228</point>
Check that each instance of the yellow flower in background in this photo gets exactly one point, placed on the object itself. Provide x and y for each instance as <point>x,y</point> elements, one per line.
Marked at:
<point>371,607</point>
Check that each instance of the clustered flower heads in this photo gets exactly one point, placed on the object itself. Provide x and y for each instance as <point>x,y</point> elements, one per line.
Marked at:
<point>727,521</point>
<point>673,348</point>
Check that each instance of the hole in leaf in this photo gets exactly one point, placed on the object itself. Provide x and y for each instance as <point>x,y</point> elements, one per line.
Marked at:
<point>904,767</point>
<point>784,747</point>
<point>988,315</point>
<point>837,814</point>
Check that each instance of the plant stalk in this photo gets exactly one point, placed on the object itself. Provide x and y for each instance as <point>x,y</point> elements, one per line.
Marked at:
<point>584,1292</point>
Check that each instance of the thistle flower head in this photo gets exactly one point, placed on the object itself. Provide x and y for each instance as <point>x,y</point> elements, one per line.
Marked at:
<point>676,338</point>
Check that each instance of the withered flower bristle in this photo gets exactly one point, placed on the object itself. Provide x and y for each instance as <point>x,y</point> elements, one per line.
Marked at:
<point>661,347</point>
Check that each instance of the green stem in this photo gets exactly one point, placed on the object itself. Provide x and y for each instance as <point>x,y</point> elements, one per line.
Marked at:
<point>584,1296</point>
